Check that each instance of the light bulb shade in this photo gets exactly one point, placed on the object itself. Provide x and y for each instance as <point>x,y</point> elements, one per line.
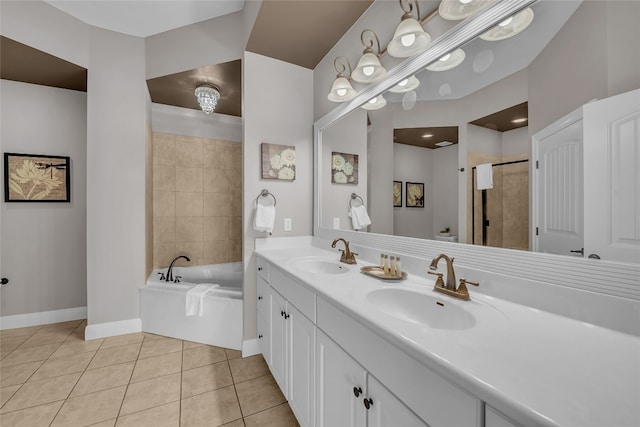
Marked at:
<point>452,60</point>
<point>406,85</point>
<point>208,97</point>
<point>460,9</point>
<point>408,40</point>
<point>341,90</point>
<point>517,24</point>
<point>369,69</point>
<point>375,104</point>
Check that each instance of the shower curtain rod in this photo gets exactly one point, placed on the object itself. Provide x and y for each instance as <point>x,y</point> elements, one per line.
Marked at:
<point>506,163</point>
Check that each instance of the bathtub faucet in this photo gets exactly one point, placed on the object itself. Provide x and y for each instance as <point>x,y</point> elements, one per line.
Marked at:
<point>169,271</point>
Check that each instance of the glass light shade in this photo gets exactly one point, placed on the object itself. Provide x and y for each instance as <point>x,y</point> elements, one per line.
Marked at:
<point>341,90</point>
<point>375,104</point>
<point>406,85</point>
<point>408,40</point>
<point>460,9</point>
<point>510,26</point>
<point>208,97</point>
<point>448,61</point>
<point>369,69</point>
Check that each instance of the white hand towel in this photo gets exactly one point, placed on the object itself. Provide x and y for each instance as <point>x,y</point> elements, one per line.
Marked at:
<point>195,299</point>
<point>485,176</point>
<point>265,217</point>
<point>359,217</point>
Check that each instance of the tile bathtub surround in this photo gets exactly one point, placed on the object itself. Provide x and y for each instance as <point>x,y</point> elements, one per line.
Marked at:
<point>197,200</point>
<point>50,376</point>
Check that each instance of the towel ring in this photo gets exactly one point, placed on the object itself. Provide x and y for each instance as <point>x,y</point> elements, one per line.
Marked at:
<point>354,196</point>
<point>266,193</point>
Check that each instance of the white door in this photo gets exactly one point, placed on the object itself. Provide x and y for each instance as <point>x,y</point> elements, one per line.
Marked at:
<point>301,342</point>
<point>558,227</point>
<point>612,177</point>
<point>387,410</point>
<point>339,379</point>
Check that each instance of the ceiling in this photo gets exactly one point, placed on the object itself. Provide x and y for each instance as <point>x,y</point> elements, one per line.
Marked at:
<point>502,121</point>
<point>419,136</point>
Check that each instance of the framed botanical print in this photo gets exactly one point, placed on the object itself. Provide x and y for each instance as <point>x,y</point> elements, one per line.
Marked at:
<point>415,195</point>
<point>278,161</point>
<point>344,168</point>
<point>36,178</point>
<point>397,194</point>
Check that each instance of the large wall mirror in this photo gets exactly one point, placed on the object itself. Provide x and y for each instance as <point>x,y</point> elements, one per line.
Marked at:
<point>485,99</point>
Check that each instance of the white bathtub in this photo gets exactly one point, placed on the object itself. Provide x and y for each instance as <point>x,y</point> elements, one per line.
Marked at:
<point>162,305</point>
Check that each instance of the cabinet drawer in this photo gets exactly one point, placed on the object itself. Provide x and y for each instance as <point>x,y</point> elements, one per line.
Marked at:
<point>302,298</point>
<point>431,397</point>
<point>263,298</point>
<point>263,268</point>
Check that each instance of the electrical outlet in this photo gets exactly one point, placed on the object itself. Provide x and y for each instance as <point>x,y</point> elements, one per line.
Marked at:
<point>336,223</point>
<point>287,224</point>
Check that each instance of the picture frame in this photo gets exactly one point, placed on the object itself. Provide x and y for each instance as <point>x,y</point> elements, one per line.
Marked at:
<point>414,195</point>
<point>37,178</point>
<point>278,161</point>
<point>397,194</point>
<point>344,168</point>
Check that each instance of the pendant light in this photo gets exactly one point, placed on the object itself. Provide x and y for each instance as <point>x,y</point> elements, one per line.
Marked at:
<point>369,68</point>
<point>510,26</point>
<point>375,103</point>
<point>208,97</point>
<point>406,85</point>
<point>409,38</point>
<point>460,9</point>
<point>341,89</point>
<point>448,61</point>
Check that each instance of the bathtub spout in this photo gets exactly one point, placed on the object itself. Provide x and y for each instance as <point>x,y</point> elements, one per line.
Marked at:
<point>170,270</point>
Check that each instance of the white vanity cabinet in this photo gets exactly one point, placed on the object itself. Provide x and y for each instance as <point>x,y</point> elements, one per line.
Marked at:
<point>349,396</point>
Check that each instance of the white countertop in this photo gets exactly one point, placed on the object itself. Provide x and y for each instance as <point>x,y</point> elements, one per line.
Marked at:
<point>535,367</point>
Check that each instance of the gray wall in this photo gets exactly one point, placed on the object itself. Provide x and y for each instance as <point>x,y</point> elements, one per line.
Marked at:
<point>43,245</point>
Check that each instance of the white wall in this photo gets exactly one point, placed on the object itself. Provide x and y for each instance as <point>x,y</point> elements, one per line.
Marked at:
<point>516,141</point>
<point>380,172</point>
<point>43,245</point>
<point>188,122</point>
<point>445,189</point>
<point>483,140</point>
<point>278,109</point>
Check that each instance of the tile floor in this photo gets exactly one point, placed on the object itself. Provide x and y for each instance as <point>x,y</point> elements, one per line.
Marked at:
<point>50,376</point>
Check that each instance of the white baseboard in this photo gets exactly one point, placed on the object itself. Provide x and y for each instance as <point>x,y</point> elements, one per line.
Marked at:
<point>42,318</point>
<point>250,347</point>
<point>109,329</point>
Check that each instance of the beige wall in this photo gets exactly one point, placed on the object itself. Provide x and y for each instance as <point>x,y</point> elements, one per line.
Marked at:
<point>197,200</point>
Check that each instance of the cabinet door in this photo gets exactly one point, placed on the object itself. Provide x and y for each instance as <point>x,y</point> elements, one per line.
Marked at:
<point>278,341</point>
<point>264,337</point>
<point>301,354</point>
<point>387,410</point>
<point>337,377</point>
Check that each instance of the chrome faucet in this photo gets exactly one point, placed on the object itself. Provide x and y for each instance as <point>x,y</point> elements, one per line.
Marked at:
<point>169,277</point>
<point>347,256</point>
<point>461,291</point>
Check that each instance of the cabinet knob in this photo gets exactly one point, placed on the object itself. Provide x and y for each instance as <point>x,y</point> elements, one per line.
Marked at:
<point>368,403</point>
<point>357,391</point>
<point>4,281</point>
<point>282,313</point>
<point>259,298</point>
<point>259,268</point>
<point>286,315</point>
<point>260,336</point>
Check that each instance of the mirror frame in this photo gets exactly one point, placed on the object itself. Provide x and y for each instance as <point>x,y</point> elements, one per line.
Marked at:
<point>601,277</point>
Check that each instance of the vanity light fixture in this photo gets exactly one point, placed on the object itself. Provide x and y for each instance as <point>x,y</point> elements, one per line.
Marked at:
<point>510,26</point>
<point>208,97</point>
<point>341,89</point>
<point>409,37</point>
<point>406,85</point>
<point>375,103</point>
<point>460,9</point>
<point>519,120</point>
<point>369,68</point>
<point>448,61</point>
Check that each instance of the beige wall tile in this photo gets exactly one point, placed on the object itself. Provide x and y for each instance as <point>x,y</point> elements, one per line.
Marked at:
<point>191,249</point>
<point>188,152</point>
<point>213,408</point>
<point>161,416</point>
<point>163,253</point>
<point>216,252</point>
<point>164,149</point>
<point>30,417</point>
<point>205,378</point>
<point>189,229</point>
<point>40,392</point>
<point>164,203</point>
<point>236,227</point>
<point>217,181</point>
<point>189,204</point>
<point>90,408</point>
<point>213,155</point>
<point>164,178</point>
<point>259,394</point>
<point>219,204</point>
<point>93,380</point>
<point>189,179</point>
<point>235,250</point>
<point>150,393</point>
<point>164,229</point>
<point>217,228</point>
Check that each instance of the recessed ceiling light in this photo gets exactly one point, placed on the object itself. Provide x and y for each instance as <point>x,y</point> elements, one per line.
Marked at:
<point>427,135</point>
<point>520,120</point>
<point>443,143</point>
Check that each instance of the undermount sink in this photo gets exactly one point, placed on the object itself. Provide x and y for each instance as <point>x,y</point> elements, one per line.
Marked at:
<point>420,308</point>
<point>319,265</point>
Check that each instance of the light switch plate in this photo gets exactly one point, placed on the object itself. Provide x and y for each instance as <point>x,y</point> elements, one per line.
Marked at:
<point>336,223</point>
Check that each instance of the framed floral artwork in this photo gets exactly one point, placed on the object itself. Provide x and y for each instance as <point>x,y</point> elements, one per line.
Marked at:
<point>278,161</point>
<point>415,195</point>
<point>397,194</point>
<point>344,168</point>
<point>36,178</point>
